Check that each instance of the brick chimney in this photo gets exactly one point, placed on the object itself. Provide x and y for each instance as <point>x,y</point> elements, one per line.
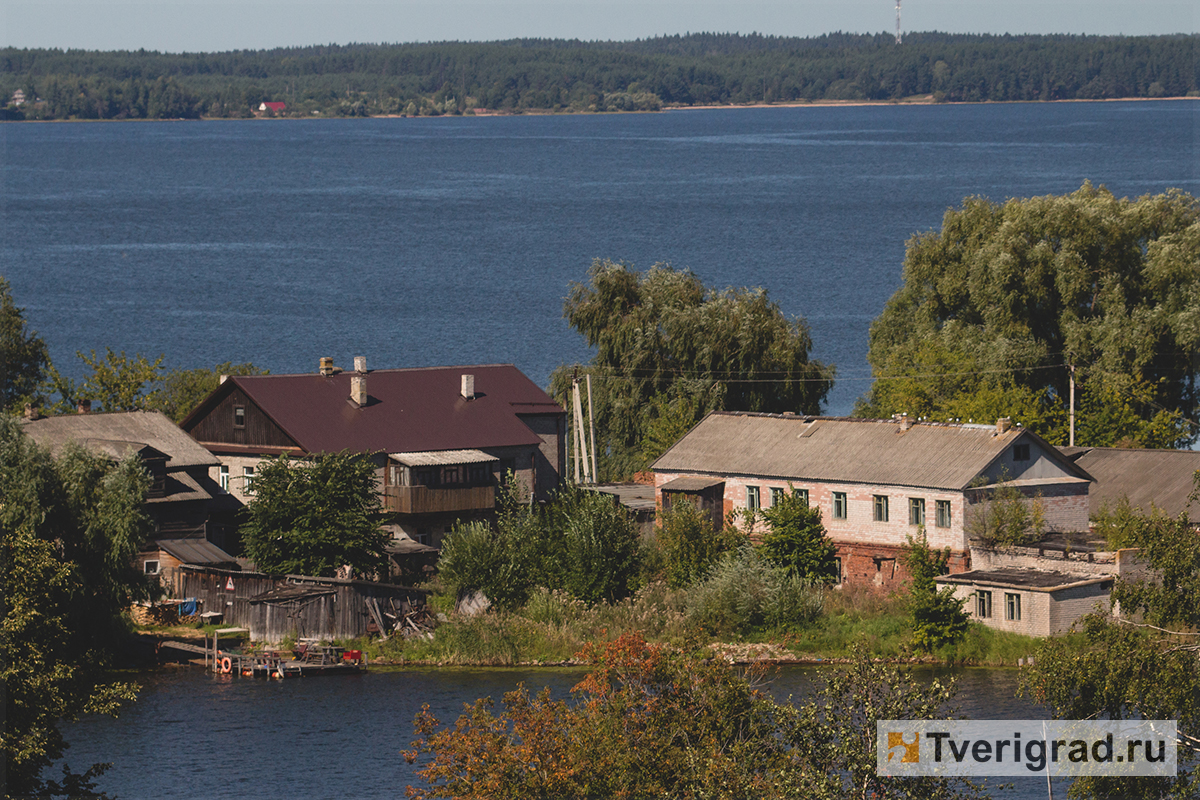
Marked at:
<point>84,406</point>
<point>904,420</point>
<point>1004,425</point>
<point>325,366</point>
<point>468,387</point>
<point>360,364</point>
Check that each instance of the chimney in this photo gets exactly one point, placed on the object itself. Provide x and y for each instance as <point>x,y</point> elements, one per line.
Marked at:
<point>325,366</point>
<point>84,406</point>
<point>360,364</point>
<point>31,411</point>
<point>358,389</point>
<point>904,420</point>
<point>468,387</point>
<point>1003,425</point>
<point>224,378</point>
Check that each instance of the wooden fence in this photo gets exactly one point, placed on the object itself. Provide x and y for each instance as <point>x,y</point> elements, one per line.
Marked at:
<point>274,607</point>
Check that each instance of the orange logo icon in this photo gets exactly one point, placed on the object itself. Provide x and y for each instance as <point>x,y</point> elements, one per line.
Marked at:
<point>911,750</point>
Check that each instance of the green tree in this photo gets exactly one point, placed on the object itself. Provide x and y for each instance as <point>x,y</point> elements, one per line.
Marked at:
<point>312,516</point>
<point>71,528</point>
<point>663,332</point>
<point>1002,515</point>
<point>938,616</point>
<point>183,389</point>
<point>24,358</point>
<point>651,722</point>
<point>690,545</point>
<point>118,382</point>
<point>997,306</point>
<point>796,539</point>
<point>602,546</point>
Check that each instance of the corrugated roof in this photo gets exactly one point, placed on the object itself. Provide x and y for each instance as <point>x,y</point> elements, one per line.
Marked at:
<point>1018,578</point>
<point>408,410</point>
<point>129,427</point>
<point>1149,478</point>
<point>442,457</point>
<point>687,484</point>
<point>195,551</point>
<point>841,449</point>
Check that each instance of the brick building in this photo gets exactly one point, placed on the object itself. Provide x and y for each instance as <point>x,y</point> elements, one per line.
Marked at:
<point>875,481</point>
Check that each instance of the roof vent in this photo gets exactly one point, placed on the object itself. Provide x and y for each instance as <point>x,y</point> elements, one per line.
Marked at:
<point>1003,425</point>
<point>325,366</point>
<point>905,421</point>
<point>468,387</point>
<point>360,364</point>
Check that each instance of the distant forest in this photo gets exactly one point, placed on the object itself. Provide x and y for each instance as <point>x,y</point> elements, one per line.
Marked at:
<point>557,75</point>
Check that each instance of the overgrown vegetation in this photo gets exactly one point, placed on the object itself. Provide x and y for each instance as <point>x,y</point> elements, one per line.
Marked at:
<point>557,75</point>
<point>938,618</point>
<point>1002,516</point>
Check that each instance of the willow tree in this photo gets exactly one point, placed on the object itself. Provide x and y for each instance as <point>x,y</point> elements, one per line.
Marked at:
<point>667,345</point>
<point>998,306</point>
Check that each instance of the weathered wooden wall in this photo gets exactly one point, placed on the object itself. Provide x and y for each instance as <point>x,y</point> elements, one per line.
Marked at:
<point>337,609</point>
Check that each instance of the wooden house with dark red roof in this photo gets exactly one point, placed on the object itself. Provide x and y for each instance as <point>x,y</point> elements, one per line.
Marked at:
<point>441,437</point>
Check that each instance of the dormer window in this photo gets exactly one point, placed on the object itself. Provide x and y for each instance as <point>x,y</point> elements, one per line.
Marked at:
<point>239,416</point>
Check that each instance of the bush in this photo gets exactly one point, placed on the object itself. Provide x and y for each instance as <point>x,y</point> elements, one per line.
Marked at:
<point>689,544</point>
<point>744,592</point>
<point>796,540</point>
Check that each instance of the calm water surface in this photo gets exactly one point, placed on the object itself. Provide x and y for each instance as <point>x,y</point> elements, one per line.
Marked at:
<point>418,242</point>
<point>191,734</point>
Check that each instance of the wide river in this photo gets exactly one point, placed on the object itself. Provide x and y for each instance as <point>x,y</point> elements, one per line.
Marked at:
<point>195,735</point>
<point>418,242</point>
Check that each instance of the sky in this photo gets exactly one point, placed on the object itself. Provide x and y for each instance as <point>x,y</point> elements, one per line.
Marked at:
<point>214,25</point>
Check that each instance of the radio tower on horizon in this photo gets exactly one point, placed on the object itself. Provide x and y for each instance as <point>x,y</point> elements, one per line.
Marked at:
<point>897,21</point>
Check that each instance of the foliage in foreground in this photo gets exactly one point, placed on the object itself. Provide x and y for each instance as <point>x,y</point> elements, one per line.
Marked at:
<point>1123,669</point>
<point>71,528</point>
<point>314,516</point>
<point>651,722</point>
<point>23,355</point>
<point>998,305</point>
<point>662,336</point>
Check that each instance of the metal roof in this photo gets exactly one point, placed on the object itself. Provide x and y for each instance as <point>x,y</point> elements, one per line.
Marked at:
<point>634,496</point>
<point>194,551</point>
<point>1017,578</point>
<point>407,411</point>
<point>844,450</point>
<point>1161,479</point>
<point>442,457</point>
<point>687,484</point>
<point>112,433</point>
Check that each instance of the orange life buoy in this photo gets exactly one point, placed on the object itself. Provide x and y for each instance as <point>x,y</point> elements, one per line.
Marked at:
<point>226,665</point>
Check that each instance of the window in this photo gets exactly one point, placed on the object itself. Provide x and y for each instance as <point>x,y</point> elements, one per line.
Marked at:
<point>452,474</point>
<point>801,494</point>
<point>983,604</point>
<point>480,474</point>
<point>916,511</point>
<point>776,496</point>
<point>239,416</point>
<point>423,536</point>
<point>151,567</point>
<point>1020,452</point>
<point>248,480</point>
<point>839,569</point>
<point>1012,606</point>
<point>223,477</point>
<point>881,511</point>
<point>839,505</point>
<point>942,509</point>
<point>752,499</point>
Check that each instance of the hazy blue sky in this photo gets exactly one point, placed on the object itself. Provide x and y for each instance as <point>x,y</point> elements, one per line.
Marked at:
<point>191,25</point>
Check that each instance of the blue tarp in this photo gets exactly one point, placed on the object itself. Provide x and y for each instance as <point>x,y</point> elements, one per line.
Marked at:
<point>189,607</point>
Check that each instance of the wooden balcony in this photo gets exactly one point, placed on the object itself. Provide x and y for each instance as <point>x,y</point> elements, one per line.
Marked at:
<point>422,500</point>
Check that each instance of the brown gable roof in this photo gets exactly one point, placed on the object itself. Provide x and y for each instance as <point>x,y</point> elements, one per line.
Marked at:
<point>114,433</point>
<point>408,410</point>
<point>1160,479</point>
<point>845,450</point>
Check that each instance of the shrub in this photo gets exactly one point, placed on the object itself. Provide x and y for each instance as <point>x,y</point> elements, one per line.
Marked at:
<point>795,539</point>
<point>744,592</point>
<point>938,617</point>
<point>689,544</point>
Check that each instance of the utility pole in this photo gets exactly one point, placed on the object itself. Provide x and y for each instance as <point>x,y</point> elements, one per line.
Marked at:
<point>897,21</point>
<point>592,428</point>
<point>1071,434</point>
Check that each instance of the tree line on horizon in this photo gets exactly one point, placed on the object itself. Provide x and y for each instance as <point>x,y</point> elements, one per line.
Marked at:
<point>430,79</point>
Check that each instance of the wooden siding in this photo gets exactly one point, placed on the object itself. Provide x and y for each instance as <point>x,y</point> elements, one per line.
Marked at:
<point>339,612</point>
<point>421,500</point>
<point>217,425</point>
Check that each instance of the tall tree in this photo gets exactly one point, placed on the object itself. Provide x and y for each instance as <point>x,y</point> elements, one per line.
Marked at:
<point>997,307</point>
<point>663,333</point>
<point>24,358</point>
<point>796,539</point>
<point>313,516</point>
<point>70,528</point>
<point>183,389</point>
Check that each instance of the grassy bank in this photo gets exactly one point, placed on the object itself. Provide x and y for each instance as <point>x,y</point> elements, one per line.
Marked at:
<point>552,627</point>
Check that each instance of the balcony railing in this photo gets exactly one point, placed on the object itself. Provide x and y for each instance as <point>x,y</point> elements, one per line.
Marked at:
<point>422,500</point>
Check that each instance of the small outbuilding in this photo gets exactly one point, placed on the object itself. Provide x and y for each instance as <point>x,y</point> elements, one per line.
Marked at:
<point>1029,601</point>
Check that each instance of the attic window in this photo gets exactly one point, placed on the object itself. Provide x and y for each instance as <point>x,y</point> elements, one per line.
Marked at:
<point>239,416</point>
<point>1020,452</point>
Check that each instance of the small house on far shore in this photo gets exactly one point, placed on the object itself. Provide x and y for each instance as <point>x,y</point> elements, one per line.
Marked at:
<point>272,108</point>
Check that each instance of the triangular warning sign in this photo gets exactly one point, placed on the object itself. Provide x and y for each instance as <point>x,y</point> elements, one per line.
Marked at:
<point>229,585</point>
